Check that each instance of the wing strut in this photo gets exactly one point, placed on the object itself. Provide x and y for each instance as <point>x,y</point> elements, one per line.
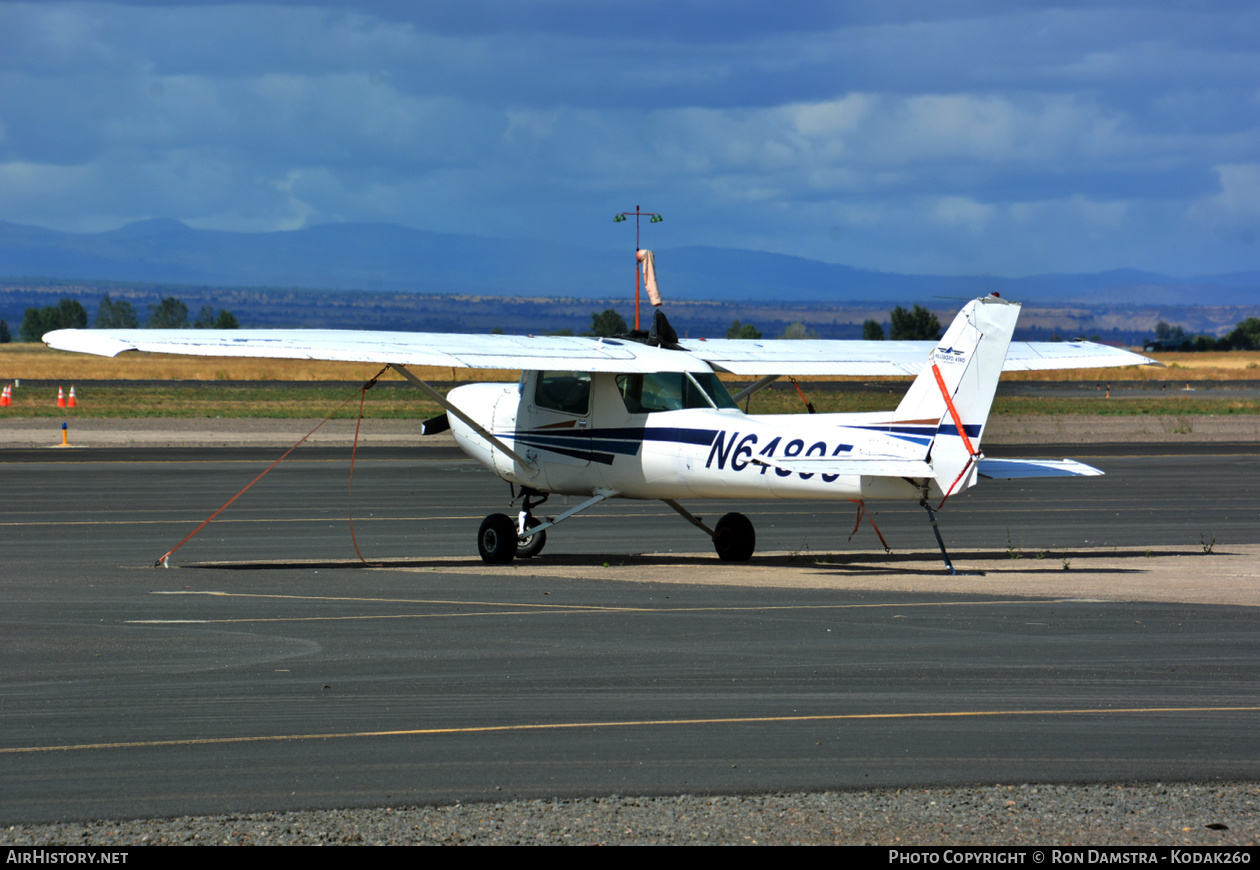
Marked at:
<point>756,385</point>
<point>451,409</point>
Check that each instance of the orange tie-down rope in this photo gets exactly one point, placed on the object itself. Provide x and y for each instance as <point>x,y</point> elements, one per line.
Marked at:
<point>958,424</point>
<point>809,406</point>
<point>162,562</point>
<point>864,511</point>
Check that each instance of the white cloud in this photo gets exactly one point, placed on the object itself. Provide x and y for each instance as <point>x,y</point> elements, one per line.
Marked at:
<point>1239,197</point>
<point>922,135</point>
<point>959,211</point>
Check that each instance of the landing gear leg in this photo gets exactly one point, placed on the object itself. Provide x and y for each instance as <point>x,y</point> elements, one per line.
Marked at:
<point>529,546</point>
<point>733,537</point>
<point>499,537</point>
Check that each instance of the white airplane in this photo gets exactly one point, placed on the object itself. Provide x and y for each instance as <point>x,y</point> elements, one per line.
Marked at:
<point>649,419</point>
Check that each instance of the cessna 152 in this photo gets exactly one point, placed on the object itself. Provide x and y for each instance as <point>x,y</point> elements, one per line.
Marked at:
<point>649,419</point>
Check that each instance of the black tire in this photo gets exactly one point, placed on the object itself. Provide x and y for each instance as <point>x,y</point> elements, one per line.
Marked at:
<point>496,542</point>
<point>734,538</point>
<point>533,545</point>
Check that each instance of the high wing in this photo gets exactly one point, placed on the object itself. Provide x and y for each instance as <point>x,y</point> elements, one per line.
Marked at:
<point>552,352</point>
<point>447,350</point>
<point>890,358</point>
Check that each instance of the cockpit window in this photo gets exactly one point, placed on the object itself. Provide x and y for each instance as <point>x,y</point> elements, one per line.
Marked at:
<point>672,391</point>
<point>567,392</point>
<point>715,390</point>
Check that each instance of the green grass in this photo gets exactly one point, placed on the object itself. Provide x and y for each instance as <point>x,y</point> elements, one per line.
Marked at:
<point>224,400</point>
<point>397,401</point>
<point>782,402</point>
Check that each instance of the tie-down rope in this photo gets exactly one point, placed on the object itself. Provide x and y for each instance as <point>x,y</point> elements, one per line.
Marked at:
<point>163,561</point>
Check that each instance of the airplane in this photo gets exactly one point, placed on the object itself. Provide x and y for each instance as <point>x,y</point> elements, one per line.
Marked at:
<point>645,416</point>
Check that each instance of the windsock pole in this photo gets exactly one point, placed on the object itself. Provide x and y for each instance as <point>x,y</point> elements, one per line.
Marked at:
<point>655,218</point>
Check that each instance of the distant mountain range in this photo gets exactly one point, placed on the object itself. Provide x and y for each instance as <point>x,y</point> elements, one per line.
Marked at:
<point>389,258</point>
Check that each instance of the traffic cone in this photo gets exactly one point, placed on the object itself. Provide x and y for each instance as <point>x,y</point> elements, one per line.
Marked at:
<point>71,403</point>
<point>61,397</point>
<point>6,398</point>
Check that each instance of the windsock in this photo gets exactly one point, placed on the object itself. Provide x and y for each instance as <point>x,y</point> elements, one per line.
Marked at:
<point>61,397</point>
<point>648,259</point>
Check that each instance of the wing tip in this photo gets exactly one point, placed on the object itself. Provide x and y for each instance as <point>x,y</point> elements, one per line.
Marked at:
<point>83,341</point>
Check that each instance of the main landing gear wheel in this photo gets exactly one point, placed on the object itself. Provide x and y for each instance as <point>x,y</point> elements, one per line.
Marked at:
<point>734,538</point>
<point>496,542</point>
<point>532,545</point>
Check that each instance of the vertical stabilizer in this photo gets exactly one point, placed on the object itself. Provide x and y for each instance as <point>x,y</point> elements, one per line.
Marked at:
<point>955,389</point>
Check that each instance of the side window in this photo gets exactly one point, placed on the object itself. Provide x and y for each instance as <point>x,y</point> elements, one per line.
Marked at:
<point>567,392</point>
<point>662,391</point>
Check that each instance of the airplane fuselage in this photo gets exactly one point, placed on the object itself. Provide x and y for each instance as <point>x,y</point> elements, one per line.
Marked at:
<point>677,454</point>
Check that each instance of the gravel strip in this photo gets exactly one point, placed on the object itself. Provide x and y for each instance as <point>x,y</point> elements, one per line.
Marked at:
<point>1024,815</point>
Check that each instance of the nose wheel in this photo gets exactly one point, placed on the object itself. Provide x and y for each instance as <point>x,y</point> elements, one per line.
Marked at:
<point>531,545</point>
<point>501,539</point>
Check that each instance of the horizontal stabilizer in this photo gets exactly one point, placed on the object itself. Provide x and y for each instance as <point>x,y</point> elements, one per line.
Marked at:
<point>869,467</point>
<point>1009,469</point>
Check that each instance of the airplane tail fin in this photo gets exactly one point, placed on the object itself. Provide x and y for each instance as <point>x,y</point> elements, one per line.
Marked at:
<point>955,390</point>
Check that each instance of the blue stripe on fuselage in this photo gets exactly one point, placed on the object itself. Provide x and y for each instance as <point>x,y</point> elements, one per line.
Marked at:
<point>603,445</point>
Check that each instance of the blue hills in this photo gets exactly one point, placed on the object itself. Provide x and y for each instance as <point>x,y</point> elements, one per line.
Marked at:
<point>395,259</point>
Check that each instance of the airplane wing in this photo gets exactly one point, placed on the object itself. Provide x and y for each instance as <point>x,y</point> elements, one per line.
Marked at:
<point>554,352</point>
<point>448,350</point>
<point>807,358</point>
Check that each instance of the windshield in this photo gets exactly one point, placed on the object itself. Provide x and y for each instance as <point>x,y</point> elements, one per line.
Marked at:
<point>672,391</point>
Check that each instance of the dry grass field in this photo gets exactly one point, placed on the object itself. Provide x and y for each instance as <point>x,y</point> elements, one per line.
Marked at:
<point>225,390</point>
<point>29,361</point>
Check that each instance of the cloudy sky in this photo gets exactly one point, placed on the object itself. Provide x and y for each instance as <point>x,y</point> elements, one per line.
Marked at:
<point>954,137</point>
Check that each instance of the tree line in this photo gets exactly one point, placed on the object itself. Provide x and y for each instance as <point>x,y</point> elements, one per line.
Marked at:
<point>1245,336</point>
<point>916,324</point>
<point>169,313</point>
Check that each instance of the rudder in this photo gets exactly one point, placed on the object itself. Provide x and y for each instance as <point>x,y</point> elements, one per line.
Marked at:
<point>964,366</point>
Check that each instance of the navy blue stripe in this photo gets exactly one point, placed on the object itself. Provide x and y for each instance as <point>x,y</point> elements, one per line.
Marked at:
<point>972,430</point>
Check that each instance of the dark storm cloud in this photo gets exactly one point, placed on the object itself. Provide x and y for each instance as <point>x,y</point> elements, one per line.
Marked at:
<point>981,136</point>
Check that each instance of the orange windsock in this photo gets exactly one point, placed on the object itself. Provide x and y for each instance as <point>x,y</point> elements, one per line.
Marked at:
<point>648,259</point>
<point>71,403</point>
<point>61,397</point>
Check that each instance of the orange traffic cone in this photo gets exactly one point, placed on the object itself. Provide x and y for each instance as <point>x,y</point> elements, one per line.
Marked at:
<point>6,398</point>
<point>71,403</point>
<point>61,397</point>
